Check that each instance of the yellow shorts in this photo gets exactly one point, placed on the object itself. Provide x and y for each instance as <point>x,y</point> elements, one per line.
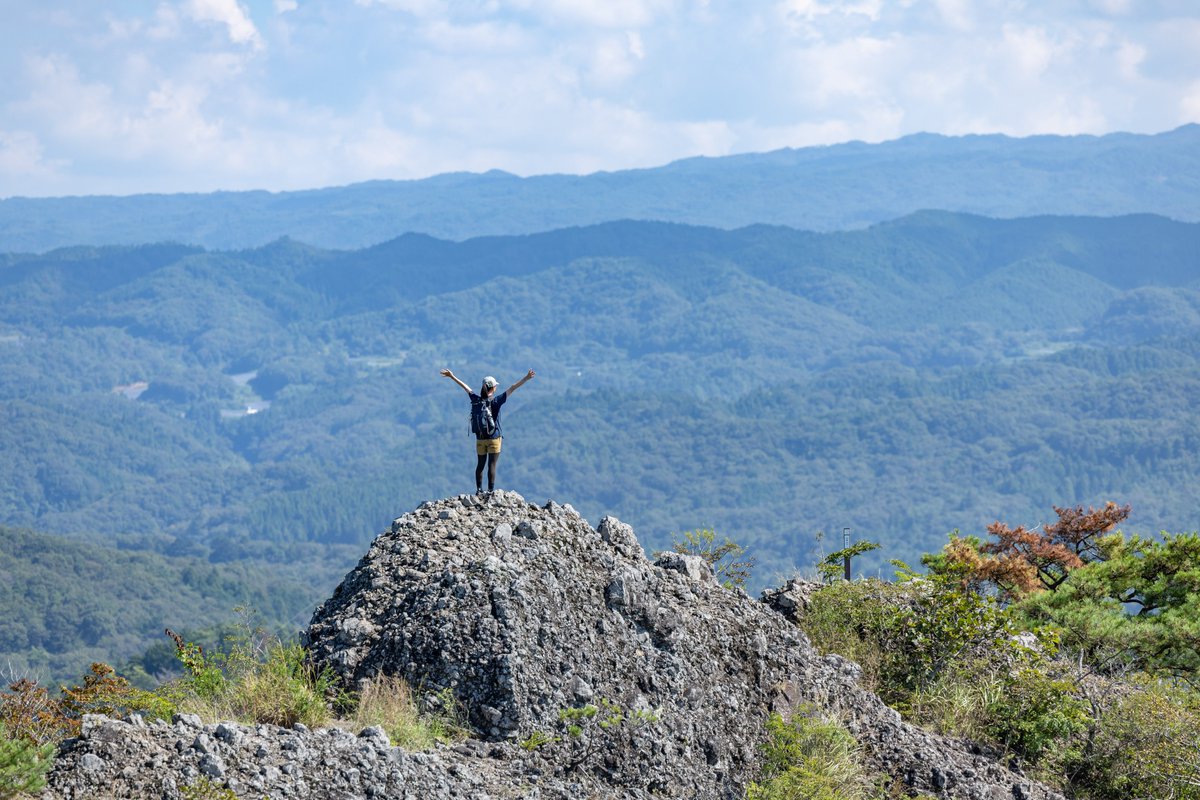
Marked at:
<point>485,446</point>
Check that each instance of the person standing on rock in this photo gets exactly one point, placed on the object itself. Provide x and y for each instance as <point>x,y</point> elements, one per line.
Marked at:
<point>485,424</point>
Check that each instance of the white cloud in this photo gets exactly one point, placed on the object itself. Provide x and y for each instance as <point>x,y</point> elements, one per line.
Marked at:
<point>1114,7</point>
<point>598,13</point>
<point>1129,59</point>
<point>165,24</point>
<point>486,38</point>
<point>229,13</point>
<point>334,92</point>
<point>1189,104</point>
<point>23,162</point>
<point>958,14</point>
<point>615,58</point>
<point>62,103</point>
<point>811,10</point>
<point>850,69</point>
<point>419,8</point>
<point>1028,49</point>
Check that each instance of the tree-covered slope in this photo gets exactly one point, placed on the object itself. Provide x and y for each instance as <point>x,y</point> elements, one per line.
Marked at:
<point>278,406</point>
<point>65,602</point>
<point>821,188</point>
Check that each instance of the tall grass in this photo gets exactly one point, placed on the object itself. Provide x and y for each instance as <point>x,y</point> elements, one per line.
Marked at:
<point>389,702</point>
<point>810,757</point>
<point>281,688</point>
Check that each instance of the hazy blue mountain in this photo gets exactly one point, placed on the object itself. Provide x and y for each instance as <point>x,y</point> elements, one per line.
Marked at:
<point>274,408</point>
<point>816,188</point>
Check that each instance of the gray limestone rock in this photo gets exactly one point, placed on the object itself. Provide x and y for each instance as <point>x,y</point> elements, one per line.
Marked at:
<point>522,635</point>
<point>527,614</point>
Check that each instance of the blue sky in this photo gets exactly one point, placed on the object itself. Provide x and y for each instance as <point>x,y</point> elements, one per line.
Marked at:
<point>200,95</point>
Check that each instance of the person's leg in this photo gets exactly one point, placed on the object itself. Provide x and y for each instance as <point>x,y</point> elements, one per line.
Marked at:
<point>479,472</point>
<point>492,459</point>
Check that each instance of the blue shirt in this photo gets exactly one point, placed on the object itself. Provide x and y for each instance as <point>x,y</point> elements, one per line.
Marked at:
<point>495,403</point>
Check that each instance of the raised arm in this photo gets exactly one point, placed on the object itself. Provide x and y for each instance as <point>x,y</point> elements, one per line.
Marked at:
<point>448,374</point>
<point>520,383</point>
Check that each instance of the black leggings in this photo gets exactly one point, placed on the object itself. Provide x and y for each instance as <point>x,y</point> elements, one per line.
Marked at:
<point>490,459</point>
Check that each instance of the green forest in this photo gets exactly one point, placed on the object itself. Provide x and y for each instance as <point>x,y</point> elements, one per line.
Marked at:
<point>230,428</point>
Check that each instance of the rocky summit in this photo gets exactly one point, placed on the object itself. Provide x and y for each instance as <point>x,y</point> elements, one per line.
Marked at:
<point>584,669</point>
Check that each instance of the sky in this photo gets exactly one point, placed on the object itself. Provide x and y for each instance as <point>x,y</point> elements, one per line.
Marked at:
<point>124,97</point>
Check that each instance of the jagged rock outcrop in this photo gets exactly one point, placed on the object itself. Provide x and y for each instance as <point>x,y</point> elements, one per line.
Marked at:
<point>526,612</point>
<point>793,598</point>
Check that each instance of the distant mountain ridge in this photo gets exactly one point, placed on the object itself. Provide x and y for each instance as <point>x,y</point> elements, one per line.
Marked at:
<point>837,187</point>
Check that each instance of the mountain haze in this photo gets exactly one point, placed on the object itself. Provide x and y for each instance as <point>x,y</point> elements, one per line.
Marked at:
<point>817,188</point>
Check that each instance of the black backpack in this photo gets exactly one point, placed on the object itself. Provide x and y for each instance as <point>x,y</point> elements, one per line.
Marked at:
<point>483,424</point>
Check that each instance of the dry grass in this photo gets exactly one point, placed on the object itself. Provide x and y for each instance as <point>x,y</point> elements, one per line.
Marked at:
<point>389,702</point>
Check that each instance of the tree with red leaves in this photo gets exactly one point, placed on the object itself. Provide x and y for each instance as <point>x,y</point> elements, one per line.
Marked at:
<point>1024,560</point>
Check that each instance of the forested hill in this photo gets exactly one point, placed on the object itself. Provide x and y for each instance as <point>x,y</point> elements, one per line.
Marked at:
<point>817,188</point>
<point>279,405</point>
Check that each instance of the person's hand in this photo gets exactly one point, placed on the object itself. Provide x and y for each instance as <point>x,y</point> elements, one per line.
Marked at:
<point>447,373</point>
<point>529,375</point>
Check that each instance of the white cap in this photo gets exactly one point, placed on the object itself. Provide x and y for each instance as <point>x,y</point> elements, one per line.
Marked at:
<point>489,381</point>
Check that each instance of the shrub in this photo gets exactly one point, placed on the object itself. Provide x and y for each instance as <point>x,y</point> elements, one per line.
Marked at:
<point>958,703</point>
<point>1037,716</point>
<point>947,658</point>
<point>260,680</point>
<point>204,789</point>
<point>1145,745</point>
<point>205,677</point>
<point>29,712</point>
<point>594,732</point>
<point>105,692</point>
<point>537,739</point>
<point>812,758</point>
<point>282,690</point>
<point>905,635</point>
<point>726,558</point>
<point>23,764</point>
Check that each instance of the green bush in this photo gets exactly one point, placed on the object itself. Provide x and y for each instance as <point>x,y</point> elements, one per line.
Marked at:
<point>958,703</point>
<point>947,658</point>
<point>1145,745</point>
<point>1037,715</point>
<point>257,679</point>
<point>23,765</point>
<point>905,635</point>
<point>282,689</point>
<point>204,789</point>
<point>727,559</point>
<point>105,692</point>
<point>812,758</point>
